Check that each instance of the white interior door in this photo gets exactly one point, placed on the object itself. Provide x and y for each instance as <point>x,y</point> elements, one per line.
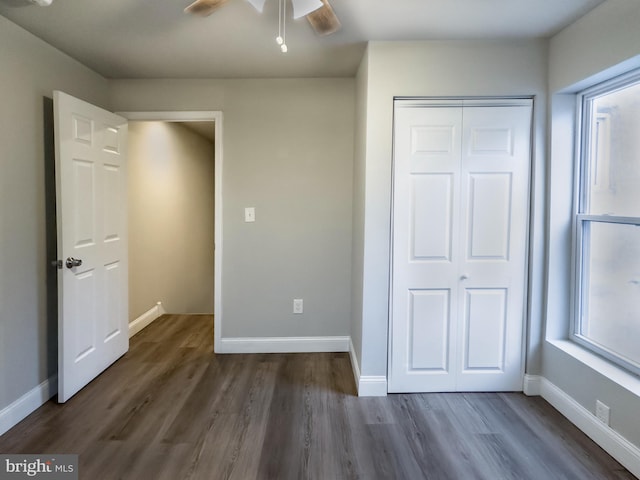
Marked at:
<point>460,218</point>
<point>92,241</point>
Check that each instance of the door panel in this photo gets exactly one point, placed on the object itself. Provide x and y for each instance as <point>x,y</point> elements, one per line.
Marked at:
<point>84,339</point>
<point>83,185</point>
<point>113,280</point>
<point>489,216</point>
<point>91,215</point>
<point>484,327</point>
<point>490,141</point>
<point>112,202</point>
<point>460,216</point>
<point>427,184</point>
<point>435,141</point>
<point>432,202</point>
<point>495,167</point>
<point>429,331</point>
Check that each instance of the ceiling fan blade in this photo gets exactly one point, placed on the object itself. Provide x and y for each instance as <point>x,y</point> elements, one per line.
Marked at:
<point>258,4</point>
<point>324,20</point>
<point>302,8</point>
<point>204,8</point>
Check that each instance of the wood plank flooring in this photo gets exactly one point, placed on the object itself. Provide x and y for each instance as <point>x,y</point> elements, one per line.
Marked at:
<point>171,409</point>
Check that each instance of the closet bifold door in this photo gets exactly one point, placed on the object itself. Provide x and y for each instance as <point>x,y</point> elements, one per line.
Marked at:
<point>459,245</point>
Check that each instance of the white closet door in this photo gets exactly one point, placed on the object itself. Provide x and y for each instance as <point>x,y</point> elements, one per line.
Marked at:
<point>460,217</point>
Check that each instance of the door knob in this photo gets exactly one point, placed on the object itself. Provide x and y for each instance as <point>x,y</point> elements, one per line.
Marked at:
<point>73,262</point>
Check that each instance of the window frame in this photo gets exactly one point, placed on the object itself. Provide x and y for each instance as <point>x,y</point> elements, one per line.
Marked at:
<point>582,220</point>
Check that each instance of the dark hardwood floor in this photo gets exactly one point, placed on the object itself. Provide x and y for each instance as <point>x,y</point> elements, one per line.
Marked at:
<point>171,409</point>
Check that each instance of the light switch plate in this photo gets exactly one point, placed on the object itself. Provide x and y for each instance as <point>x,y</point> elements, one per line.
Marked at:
<point>250,214</point>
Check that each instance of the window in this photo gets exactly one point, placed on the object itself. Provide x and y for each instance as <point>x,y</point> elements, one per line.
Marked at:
<point>607,228</point>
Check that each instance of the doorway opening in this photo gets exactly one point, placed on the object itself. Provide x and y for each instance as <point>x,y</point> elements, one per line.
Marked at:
<point>175,214</point>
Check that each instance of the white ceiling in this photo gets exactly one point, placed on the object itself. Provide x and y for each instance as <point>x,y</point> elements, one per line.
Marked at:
<point>155,39</point>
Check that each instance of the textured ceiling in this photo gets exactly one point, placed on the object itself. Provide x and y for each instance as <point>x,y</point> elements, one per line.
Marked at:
<point>155,39</point>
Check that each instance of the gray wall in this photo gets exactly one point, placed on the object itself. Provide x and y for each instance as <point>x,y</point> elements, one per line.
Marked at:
<point>604,38</point>
<point>605,42</point>
<point>31,70</point>
<point>288,152</point>
<point>171,205</point>
<point>288,148</point>
<point>481,68</point>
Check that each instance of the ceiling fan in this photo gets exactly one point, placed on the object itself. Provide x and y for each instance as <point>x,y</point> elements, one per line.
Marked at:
<point>318,12</point>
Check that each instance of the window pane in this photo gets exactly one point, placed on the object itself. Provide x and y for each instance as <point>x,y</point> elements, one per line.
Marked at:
<point>614,154</point>
<point>611,293</point>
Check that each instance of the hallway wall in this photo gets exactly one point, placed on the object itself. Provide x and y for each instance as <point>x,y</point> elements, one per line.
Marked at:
<point>288,152</point>
<point>171,215</point>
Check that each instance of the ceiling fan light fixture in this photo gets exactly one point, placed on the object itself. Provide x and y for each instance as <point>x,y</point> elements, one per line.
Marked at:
<point>42,3</point>
<point>302,8</point>
<point>258,4</point>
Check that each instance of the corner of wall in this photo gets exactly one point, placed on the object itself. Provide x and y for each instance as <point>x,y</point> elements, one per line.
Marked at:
<point>144,320</point>
<point>367,386</point>
<point>611,441</point>
<point>13,414</point>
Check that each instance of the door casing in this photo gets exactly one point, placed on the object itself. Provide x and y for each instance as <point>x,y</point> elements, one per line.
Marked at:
<point>217,118</point>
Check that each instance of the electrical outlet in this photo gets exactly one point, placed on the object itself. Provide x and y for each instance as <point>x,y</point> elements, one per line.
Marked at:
<point>298,306</point>
<point>603,412</point>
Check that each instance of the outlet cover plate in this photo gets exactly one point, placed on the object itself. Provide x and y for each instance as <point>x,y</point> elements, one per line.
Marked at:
<point>603,412</point>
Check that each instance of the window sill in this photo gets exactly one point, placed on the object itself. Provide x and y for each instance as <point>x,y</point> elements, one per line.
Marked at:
<point>598,364</point>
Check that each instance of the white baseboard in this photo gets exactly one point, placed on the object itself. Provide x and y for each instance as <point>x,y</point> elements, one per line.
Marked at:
<point>611,441</point>
<point>355,366</point>
<point>372,386</point>
<point>146,319</point>
<point>283,344</point>
<point>11,415</point>
<point>532,385</point>
<point>367,386</point>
